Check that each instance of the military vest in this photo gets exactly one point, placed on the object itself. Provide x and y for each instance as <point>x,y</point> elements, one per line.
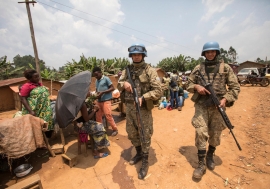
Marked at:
<point>217,80</point>
<point>140,78</point>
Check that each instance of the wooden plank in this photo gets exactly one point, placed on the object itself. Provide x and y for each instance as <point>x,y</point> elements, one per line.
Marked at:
<point>68,156</point>
<point>28,182</point>
<point>48,145</point>
<point>72,159</point>
<point>58,148</point>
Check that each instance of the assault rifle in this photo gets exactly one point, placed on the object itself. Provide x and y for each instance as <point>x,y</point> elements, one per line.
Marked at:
<point>215,100</point>
<point>137,104</point>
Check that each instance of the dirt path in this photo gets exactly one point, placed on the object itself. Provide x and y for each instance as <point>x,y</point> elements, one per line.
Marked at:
<point>172,155</point>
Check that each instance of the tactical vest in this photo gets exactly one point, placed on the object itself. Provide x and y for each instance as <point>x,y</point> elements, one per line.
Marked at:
<point>140,79</point>
<point>219,82</point>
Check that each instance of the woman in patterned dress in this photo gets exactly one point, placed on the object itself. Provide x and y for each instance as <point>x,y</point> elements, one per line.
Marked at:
<point>35,98</point>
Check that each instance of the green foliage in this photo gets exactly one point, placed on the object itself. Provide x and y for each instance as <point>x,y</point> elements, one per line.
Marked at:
<point>27,60</point>
<point>7,69</point>
<point>258,60</point>
<point>229,56</point>
<point>180,63</point>
<point>109,66</point>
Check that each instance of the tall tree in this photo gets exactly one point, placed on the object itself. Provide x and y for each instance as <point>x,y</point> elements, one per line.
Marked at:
<point>179,63</point>
<point>259,60</point>
<point>232,55</point>
<point>27,59</point>
<point>224,55</point>
<point>229,56</point>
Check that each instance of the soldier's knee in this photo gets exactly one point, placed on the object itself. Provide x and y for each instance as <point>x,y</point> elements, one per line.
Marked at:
<point>202,132</point>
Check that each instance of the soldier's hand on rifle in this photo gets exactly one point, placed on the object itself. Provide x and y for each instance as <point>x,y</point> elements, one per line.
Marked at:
<point>141,100</point>
<point>201,90</point>
<point>128,87</point>
<point>223,103</point>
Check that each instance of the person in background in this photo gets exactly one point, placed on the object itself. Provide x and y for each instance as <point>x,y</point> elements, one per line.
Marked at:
<point>149,89</point>
<point>181,98</point>
<point>174,91</point>
<point>95,129</point>
<point>180,83</point>
<point>184,77</point>
<point>35,99</point>
<point>253,73</point>
<point>166,81</point>
<point>207,121</point>
<point>184,81</point>
<point>104,88</point>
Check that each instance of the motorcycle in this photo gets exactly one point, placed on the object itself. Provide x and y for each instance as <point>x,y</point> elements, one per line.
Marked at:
<point>252,79</point>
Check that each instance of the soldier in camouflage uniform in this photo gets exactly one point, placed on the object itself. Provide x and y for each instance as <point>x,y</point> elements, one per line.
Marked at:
<point>149,89</point>
<point>207,120</point>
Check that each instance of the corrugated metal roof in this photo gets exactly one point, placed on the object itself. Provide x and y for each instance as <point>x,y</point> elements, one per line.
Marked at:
<point>8,82</point>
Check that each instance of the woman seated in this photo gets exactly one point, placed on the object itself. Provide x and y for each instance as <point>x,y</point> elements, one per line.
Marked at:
<point>35,98</point>
<point>95,129</point>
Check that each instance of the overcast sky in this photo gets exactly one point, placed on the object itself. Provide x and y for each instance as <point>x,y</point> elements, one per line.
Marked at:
<point>106,28</point>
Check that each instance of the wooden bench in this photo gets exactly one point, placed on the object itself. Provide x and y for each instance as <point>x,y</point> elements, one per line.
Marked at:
<point>71,158</point>
<point>27,183</point>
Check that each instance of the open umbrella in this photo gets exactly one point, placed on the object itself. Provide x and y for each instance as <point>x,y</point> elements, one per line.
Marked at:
<point>71,97</point>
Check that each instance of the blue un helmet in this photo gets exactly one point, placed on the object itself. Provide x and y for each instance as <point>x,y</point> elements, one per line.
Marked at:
<point>137,48</point>
<point>212,45</point>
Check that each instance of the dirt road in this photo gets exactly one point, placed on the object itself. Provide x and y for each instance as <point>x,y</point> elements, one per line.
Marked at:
<point>172,155</point>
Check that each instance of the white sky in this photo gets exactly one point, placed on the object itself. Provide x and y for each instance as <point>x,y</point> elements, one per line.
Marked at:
<point>106,28</point>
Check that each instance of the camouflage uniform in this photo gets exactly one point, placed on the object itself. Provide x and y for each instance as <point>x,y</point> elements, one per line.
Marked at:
<point>207,120</point>
<point>148,85</point>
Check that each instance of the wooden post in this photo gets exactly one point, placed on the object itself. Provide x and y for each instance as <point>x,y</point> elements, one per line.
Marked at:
<point>48,145</point>
<point>32,34</point>
<point>79,145</point>
<point>62,137</point>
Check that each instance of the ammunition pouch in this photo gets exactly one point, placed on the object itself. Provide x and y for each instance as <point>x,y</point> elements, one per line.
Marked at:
<point>195,97</point>
<point>209,102</point>
<point>229,104</point>
<point>149,104</point>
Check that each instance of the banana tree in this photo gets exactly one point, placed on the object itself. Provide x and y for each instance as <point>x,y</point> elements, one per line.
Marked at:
<point>7,69</point>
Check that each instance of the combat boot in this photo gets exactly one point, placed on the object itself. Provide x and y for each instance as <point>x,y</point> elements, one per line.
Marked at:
<point>145,166</point>
<point>209,158</point>
<point>201,169</point>
<point>137,157</point>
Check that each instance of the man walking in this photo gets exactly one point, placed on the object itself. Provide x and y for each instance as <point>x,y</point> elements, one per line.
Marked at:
<point>207,120</point>
<point>149,88</point>
<point>104,88</point>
